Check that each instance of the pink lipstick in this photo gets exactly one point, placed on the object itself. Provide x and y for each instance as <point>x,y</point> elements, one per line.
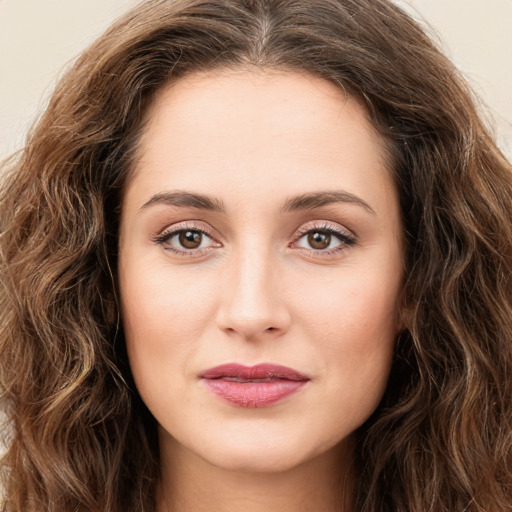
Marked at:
<point>256,386</point>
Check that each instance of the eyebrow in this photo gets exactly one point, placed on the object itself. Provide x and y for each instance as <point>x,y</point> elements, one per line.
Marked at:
<point>186,200</point>
<point>319,199</point>
<point>307,201</point>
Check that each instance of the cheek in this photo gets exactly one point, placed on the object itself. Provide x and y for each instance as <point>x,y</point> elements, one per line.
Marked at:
<point>353,324</point>
<point>164,315</point>
<point>351,307</point>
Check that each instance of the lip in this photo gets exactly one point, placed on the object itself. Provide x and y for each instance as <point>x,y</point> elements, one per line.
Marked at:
<point>244,386</point>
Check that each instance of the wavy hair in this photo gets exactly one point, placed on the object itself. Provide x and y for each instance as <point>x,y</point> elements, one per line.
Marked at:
<point>78,437</point>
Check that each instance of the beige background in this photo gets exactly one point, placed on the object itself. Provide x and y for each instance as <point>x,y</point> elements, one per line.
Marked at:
<point>39,38</point>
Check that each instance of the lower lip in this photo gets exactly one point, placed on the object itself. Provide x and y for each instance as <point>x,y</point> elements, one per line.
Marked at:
<point>253,394</point>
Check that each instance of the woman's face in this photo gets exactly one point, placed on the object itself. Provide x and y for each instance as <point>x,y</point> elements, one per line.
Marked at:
<point>260,226</point>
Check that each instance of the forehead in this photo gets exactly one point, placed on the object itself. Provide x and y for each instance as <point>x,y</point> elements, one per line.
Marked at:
<point>253,131</point>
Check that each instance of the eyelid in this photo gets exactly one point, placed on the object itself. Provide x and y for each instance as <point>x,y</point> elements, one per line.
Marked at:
<point>192,225</point>
<point>323,225</point>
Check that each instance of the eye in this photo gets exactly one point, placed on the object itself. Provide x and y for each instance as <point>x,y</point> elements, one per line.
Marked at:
<point>186,240</point>
<point>324,239</point>
<point>320,239</point>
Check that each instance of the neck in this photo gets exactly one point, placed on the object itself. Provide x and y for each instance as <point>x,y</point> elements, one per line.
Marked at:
<point>190,483</point>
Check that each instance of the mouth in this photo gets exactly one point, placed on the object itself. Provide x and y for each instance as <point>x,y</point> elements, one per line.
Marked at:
<point>257,386</point>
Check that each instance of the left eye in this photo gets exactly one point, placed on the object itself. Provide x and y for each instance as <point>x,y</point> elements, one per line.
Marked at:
<point>323,239</point>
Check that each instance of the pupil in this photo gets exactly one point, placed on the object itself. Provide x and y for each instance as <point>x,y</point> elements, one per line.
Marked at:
<point>319,240</point>
<point>190,239</point>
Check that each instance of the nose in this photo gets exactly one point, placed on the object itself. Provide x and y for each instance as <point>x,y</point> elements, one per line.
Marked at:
<point>252,304</point>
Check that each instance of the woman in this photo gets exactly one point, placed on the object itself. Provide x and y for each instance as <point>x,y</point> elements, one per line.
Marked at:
<point>257,255</point>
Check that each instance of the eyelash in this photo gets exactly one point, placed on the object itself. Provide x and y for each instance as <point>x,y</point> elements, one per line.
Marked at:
<point>345,238</point>
<point>164,238</point>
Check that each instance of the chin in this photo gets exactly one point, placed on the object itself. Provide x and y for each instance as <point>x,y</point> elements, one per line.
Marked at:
<point>246,460</point>
<point>264,453</point>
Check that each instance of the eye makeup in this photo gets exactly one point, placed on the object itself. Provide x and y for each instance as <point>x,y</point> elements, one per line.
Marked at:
<point>324,238</point>
<point>193,239</point>
<point>190,235</point>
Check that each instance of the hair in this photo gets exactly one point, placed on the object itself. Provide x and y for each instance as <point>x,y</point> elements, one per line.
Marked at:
<point>78,437</point>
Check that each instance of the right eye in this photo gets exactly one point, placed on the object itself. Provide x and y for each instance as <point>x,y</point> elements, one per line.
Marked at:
<point>186,241</point>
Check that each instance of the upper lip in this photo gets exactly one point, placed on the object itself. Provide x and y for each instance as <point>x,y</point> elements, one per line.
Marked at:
<point>260,371</point>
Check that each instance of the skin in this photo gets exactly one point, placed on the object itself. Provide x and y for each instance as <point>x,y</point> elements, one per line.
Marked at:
<point>256,289</point>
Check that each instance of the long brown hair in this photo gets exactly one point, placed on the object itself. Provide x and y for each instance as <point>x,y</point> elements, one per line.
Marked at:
<point>78,437</point>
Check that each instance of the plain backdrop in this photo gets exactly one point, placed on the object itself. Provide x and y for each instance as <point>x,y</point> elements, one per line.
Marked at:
<point>40,38</point>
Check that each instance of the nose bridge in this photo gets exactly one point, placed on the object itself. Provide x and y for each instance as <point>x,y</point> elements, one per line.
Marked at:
<point>252,304</point>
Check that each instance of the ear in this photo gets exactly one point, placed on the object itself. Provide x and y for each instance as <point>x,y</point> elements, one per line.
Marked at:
<point>112,309</point>
<point>405,315</point>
